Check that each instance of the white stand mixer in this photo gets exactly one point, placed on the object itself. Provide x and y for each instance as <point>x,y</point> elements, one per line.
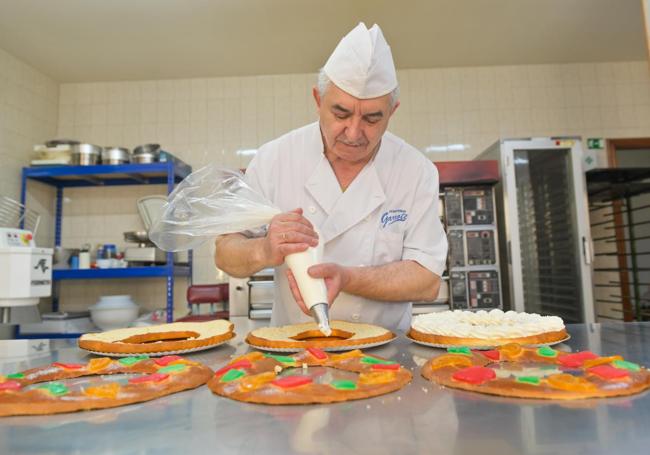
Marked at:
<point>25,270</point>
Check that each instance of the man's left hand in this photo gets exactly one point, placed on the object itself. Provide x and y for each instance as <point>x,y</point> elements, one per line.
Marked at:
<point>336,278</point>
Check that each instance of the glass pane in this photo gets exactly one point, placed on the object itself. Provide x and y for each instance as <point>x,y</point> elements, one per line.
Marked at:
<point>550,248</point>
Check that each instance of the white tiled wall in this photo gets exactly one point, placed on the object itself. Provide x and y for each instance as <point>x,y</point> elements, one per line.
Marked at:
<point>449,114</point>
<point>28,115</point>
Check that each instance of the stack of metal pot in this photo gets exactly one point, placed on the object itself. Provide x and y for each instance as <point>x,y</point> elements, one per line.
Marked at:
<point>146,153</point>
<point>116,155</point>
<point>86,154</point>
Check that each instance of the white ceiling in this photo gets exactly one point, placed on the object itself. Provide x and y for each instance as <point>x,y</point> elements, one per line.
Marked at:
<point>108,40</point>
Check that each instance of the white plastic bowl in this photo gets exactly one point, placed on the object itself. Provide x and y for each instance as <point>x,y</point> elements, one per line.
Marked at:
<point>115,301</point>
<point>114,312</point>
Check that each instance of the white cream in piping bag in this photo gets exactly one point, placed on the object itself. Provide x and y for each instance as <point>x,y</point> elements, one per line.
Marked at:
<point>313,290</point>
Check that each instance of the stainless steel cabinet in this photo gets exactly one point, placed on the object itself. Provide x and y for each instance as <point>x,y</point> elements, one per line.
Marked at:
<point>544,219</point>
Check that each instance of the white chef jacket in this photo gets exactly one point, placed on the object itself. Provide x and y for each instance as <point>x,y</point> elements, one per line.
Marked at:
<point>388,213</point>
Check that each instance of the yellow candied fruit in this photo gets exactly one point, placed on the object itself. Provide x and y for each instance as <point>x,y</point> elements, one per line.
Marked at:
<point>254,382</point>
<point>346,355</point>
<point>570,383</point>
<point>376,377</point>
<point>109,390</point>
<point>251,356</point>
<point>600,361</point>
<point>3,378</point>
<point>99,364</point>
<point>450,360</point>
<point>511,351</point>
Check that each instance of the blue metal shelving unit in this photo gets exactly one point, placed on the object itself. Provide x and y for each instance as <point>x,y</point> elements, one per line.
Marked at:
<point>169,172</point>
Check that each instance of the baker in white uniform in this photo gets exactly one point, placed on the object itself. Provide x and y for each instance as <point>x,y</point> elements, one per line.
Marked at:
<point>372,197</point>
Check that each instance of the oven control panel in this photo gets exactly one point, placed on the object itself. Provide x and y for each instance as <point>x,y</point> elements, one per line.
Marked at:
<point>473,262</point>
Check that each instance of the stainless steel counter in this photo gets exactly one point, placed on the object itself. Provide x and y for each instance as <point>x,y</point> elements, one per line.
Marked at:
<point>421,418</point>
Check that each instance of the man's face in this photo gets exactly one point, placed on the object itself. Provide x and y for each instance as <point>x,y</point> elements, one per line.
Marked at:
<point>352,128</point>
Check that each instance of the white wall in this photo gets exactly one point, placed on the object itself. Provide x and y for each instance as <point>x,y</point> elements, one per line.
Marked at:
<point>442,110</point>
<point>28,115</point>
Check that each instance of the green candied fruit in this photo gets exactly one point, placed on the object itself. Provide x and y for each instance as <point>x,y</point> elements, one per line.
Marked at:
<point>534,380</point>
<point>546,351</point>
<point>344,385</point>
<point>55,388</point>
<point>375,361</point>
<point>281,358</point>
<point>128,361</point>
<point>624,364</point>
<point>16,376</point>
<point>172,368</point>
<point>232,375</point>
<point>460,350</point>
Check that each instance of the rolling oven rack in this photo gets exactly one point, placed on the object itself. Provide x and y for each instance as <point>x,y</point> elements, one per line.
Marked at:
<point>167,173</point>
<point>619,212</point>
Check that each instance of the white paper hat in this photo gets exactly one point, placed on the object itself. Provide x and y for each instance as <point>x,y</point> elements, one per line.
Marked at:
<point>362,64</point>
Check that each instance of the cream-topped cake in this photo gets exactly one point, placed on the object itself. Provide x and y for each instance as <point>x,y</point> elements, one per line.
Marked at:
<point>482,327</point>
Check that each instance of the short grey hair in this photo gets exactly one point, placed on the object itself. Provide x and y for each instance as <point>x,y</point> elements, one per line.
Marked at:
<point>324,82</point>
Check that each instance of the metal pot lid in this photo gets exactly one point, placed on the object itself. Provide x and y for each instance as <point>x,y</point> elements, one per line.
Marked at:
<point>120,149</point>
<point>56,142</point>
<point>153,149</point>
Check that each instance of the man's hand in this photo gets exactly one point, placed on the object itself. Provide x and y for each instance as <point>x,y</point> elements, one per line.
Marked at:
<point>336,278</point>
<point>288,233</point>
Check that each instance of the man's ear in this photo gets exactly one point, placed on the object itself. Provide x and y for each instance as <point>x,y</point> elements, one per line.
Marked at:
<point>316,95</point>
<point>394,108</point>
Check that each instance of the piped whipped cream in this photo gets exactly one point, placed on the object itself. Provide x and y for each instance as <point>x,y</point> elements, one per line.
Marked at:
<point>486,325</point>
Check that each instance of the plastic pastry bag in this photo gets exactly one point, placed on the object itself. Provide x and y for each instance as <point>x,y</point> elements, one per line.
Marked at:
<point>209,202</point>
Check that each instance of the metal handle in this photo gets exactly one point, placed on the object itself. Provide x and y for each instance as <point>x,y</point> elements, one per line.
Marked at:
<point>586,250</point>
<point>509,253</point>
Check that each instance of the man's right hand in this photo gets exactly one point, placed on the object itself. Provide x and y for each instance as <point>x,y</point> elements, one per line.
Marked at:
<point>288,233</point>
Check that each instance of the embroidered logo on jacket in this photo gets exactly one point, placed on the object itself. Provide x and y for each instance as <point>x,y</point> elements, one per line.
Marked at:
<point>393,216</point>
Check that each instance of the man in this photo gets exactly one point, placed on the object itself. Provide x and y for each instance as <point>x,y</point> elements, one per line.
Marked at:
<point>372,197</point>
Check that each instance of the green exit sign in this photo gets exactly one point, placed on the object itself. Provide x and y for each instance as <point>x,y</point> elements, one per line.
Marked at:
<point>595,143</point>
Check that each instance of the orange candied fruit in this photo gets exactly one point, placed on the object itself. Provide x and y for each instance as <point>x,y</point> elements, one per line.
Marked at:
<point>253,356</point>
<point>376,377</point>
<point>570,383</point>
<point>511,351</point>
<point>99,364</point>
<point>600,361</point>
<point>109,390</point>
<point>254,382</point>
<point>450,360</point>
<point>346,355</point>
